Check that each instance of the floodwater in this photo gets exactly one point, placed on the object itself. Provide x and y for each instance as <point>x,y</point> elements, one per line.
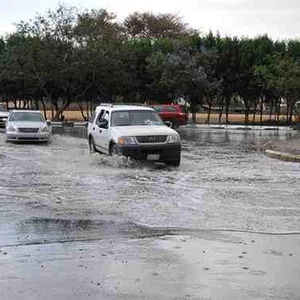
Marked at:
<point>224,225</point>
<point>58,192</point>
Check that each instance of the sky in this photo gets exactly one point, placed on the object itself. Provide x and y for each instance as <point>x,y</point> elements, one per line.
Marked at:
<point>248,18</point>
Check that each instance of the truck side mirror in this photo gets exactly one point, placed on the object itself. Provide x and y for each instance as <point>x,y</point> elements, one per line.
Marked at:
<point>103,124</point>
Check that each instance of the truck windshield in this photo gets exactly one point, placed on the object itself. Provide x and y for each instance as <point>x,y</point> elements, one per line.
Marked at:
<point>135,118</point>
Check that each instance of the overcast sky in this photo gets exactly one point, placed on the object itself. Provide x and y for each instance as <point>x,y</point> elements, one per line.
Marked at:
<point>280,19</point>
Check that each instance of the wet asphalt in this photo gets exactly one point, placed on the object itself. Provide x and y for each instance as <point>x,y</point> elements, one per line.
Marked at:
<point>224,225</point>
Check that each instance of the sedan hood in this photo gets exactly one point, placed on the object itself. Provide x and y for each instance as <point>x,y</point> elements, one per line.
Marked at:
<point>28,124</point>
<point>143,130</point>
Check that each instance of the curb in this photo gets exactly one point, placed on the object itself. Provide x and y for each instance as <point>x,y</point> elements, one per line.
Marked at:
<point>282,156</point>
<point>69,124</point>
<point>242,127</point>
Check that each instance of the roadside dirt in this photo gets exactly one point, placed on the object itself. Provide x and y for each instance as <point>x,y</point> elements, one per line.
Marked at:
<point>201,117</point>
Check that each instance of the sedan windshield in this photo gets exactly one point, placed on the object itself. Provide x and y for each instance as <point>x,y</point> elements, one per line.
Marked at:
<point>135,118</point>
<point>27,117</point>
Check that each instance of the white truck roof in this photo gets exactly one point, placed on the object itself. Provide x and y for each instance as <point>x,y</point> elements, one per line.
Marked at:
<point>116,107</point>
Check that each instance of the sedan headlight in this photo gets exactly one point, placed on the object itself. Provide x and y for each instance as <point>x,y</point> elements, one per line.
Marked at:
<point>45,129</point>
<point>126,140</point>
<point>11,128</point>
<point>173,138</point>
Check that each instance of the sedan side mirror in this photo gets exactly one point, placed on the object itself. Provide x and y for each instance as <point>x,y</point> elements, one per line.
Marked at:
<point>48,122</point>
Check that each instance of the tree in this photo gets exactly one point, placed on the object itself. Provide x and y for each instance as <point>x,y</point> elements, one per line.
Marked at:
<point>289,84</point>
<point>82,57</point>
<point>96,25</point>
<point>156,26</point>
<point>188,72</point>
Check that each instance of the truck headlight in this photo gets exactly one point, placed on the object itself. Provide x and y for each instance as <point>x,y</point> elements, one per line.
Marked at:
<point>173,138</point>
<point>126,140</point>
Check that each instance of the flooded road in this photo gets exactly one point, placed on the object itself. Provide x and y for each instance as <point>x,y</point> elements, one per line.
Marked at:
<point>58,193</point>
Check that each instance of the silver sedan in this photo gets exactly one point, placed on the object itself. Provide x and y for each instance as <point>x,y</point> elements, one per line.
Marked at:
<point>27,125</point>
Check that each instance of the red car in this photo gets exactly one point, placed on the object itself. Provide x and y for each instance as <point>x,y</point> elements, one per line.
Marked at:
<point>177,115</point>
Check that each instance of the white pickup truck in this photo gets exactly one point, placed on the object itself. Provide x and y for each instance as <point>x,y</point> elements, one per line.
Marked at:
<point>133,131</point>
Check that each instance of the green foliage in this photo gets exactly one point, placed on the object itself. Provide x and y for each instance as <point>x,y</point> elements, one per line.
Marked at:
<point>68,56</point>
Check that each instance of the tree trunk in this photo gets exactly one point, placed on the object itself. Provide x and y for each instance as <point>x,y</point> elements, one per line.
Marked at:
<point>288,104</point>
<point>221,110</point>
<point>37,104</point>
<point>291,113</point>
<point>272,104</point>
<point>81,110</point>
<point>254,113</point>
<point>60,110</point>
<point>208,114</point>
<point>194,113</point>
<point>261,110</point>
<point>256,102</point>
<point>93,106</point>
<point>44,108</point>
<point>55,116</point>
<point>209,101</point>
<point>278,111</point>
<point>6,101</point>
<point>193,110</point>
<point>88,109</point>
<point>227,104</point>
<point>247,109</point>
<point>25,104</point>
<point>247,117</point>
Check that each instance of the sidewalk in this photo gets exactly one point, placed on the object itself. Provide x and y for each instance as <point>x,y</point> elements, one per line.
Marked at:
<point>284,150</point>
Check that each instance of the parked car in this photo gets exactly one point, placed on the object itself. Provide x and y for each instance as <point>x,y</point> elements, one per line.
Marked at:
<point>174,113</point>
<point>3,115</point>
<point>133,131</point>
<point>27,125</point>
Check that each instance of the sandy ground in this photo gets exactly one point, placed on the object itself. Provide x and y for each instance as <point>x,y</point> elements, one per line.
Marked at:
<point>201,117</point>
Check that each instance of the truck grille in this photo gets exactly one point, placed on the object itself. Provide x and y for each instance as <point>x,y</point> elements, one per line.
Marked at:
<point>28,130</point>
<point>147,139</point>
